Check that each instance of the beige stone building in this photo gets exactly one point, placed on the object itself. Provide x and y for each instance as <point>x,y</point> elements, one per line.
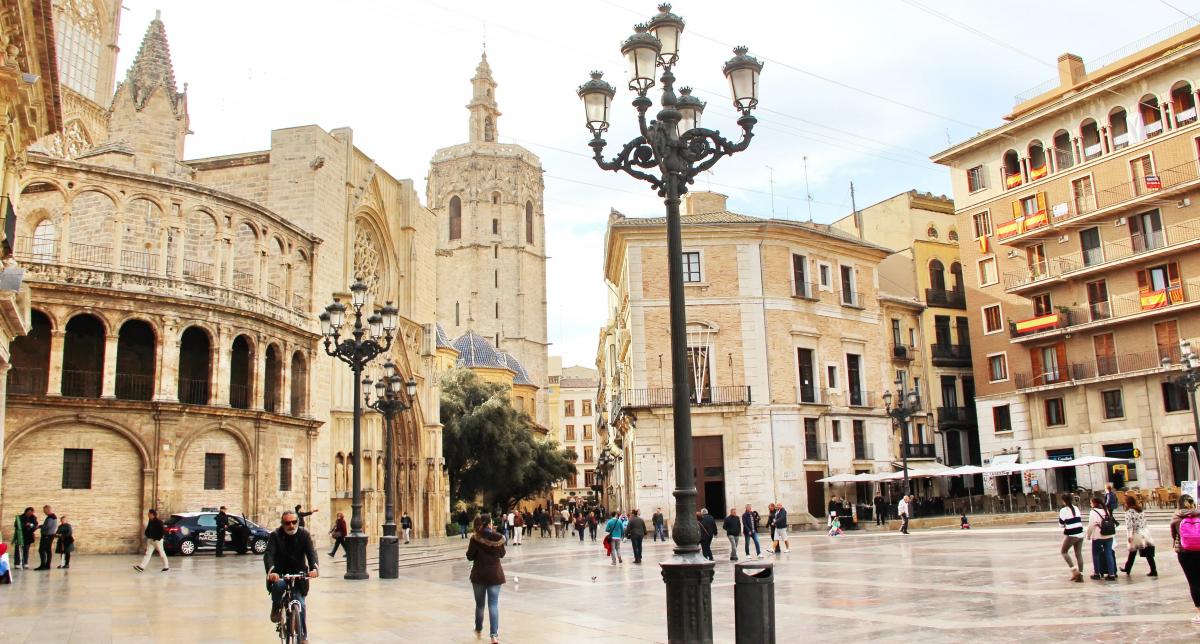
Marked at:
<point>579,411</point>
<point>1079,224</point>
<point>785,355</point>
<point>174,359</point>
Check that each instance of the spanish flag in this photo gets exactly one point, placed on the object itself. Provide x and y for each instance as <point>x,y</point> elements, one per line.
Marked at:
<point>1038,173</point>
<point>983,244</point>
<point>1037,324</point>
<point>1153,300</point>
<point>1010,229</point>
<point>1012,180</point>
<point>1036,220</point>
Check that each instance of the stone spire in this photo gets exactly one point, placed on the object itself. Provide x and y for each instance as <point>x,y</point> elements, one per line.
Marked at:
<point>152,67</point>
<point>484,113</point>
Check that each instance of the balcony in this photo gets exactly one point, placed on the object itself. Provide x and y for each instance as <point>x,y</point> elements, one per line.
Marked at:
<point>951,355</point>
<point>81,384</point>
<point>956,417</point>
<point>864,452</point>
<point>1117,310</point>
<point>903,352</point>
<point>1176,237</point>
<point>815,451</point>
<point>27,381</point>
<point>135,386</point>
<point>919,450</point>
<point>662,397</point>
<point>853,299</point>
<point>1098,369</point>
<point>949,299</point>
<point>1123,195</point>
<point>860,398</point>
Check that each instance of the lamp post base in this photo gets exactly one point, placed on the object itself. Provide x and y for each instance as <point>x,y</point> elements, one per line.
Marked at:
<point>356,556</point>
<point>389,556</point>
<point>689,599</point>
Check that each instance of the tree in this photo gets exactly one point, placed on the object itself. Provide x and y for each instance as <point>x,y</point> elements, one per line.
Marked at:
<point>490,448</point>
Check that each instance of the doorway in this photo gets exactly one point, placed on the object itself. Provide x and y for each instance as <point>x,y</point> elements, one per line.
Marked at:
<point>816,493</point>
<point>709,454</point>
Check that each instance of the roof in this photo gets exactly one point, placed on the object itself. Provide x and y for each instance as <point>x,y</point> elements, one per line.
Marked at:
<point>578,383</point>
<point>728,217</point>
<point>476,351</point>
<point>442,339</point>
<point>522,377</point>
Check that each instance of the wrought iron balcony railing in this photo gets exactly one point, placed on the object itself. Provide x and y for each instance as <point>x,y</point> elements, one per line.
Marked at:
<point>662,397</point>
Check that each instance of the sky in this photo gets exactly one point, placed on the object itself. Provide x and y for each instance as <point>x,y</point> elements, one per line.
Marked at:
<point>853,91</point>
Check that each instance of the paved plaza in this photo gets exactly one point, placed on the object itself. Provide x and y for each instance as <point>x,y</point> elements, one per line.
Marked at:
<point>993,585</point>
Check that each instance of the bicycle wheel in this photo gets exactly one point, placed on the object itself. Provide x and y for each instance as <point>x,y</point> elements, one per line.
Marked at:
<point>293,623</point>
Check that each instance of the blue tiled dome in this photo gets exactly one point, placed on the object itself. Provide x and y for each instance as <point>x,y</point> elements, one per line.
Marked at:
<point>443,340</point>
<point>522,377</point>
<point>476,351</point>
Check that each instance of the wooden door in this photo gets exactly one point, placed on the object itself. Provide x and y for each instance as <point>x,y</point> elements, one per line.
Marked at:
<point>816,493</point>
<point>709,456</point>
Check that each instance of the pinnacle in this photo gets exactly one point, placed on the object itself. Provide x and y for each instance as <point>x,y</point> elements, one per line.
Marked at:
<point>152,67</point>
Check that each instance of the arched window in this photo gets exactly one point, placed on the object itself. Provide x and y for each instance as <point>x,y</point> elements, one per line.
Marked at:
<point>931,232</point>
<point>455,218</point>
<point>135,361</point>
<point>299,393</point>
<point>77,34</point>
<point>1037,161</point>
<point>1151,115</point>
<point>1064,156</point>
<point>956,273</point>
<point>1089,138</point>
<point>30,355</point>
<point>241,369</point>
<point>83,357</point>
<point>1011,168</point>
<point>457,319</point>
<point>496,198</point>
<point>44,241</point>
<point>937,275</point>
<point>273,381</point>
<point>195,366</point>
<point>1183,103</point>
<point>1118,126</point>
<point>952,235</point>
<point>529,222</point>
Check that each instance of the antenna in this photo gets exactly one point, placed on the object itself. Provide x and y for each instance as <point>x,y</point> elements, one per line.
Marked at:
<point>807,189</point>
<point>948,141</point>
<point>858,223</point>
<point>771,180</point>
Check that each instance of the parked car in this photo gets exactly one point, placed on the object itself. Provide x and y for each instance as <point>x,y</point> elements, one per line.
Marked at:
<point>188,532</point>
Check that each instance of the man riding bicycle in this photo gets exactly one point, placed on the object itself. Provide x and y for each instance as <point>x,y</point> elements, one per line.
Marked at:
<point>290,552</point>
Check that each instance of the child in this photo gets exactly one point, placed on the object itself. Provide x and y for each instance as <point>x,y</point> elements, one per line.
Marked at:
<point>966,525</point>
<point>835,525</point>
<point>5,575</point>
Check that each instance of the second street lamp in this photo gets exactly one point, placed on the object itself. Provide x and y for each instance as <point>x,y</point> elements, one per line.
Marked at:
<point>389,402</point>
<point>680,149</point>
<point>906,407</point>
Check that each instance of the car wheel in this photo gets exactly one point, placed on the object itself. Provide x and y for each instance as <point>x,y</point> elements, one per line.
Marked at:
<point>260,546</point>
<point>187,547</point>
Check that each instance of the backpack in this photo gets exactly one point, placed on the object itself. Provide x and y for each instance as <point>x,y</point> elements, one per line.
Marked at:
<point>1189,534</point>
<point>1108,524</point>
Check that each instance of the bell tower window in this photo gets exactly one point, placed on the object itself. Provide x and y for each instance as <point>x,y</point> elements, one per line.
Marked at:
<point>455,218</point>
<point>77,39</point>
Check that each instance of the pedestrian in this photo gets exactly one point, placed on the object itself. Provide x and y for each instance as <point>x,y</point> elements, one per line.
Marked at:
<point>902,512</point>
<point>1101,528</point>
<point>24,529</point>
<point>48,529</point>
<point>1110,498</point>
<point>485,550</point>
<point>338,533</point>
<point>659,522</point>
<point>636,530</point>
<point>301,515</point>
<point>1137,535</point>
<point>593,521</point>
<point>518,527</point>
<point>733,532</point>
<point>781,526</point>
<point>750,530</point>
<point>963,522</point>
<point>616,532</point>
<point>464,520</point>
<point>1072,528</point>
<point>565,524</point>
<point>222,527</point>
<point>406,526</point>
<point>880,509</point>
<point>771,523</point>
<point>580,525</point>
<point>5,571</point>
<point>154,533</point>
<point>66,542</point>
<point>509,524</point>
<point>1185,534</point>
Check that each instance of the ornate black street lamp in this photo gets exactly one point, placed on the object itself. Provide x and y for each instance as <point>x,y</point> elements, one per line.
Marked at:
<point>680,149</point>
<point>389,403</point>
<point>1189,379</point>
<point>358,350</point>
<point>907,407</point>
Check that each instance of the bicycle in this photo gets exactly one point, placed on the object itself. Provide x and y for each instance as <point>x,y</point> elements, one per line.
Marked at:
<point>288,627</point>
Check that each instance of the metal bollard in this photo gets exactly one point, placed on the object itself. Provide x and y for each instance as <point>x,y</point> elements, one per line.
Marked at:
<point>754,603</point>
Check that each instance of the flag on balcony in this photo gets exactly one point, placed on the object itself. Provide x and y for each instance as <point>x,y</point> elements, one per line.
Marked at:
<point>1038,173</point>
<point>1037,324</point>
<point>1036,220</point>
<point>1012,180</point>
<point>1153,300</point>
<point>983,244</point>
<point>1010,229</point>
<point>1153,182</point>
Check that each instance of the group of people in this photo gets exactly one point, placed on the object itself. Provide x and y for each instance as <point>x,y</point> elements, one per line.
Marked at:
<point>54,535</point>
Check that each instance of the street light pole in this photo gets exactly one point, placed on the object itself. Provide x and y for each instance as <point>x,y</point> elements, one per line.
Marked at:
<point>680,149</point>
<point>1189,379</point>
<point>906,407</point>
<point>357,351</point>
<point>389,403</point>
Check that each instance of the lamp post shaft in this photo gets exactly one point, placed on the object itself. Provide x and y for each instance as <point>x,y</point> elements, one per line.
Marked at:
<point>356,541</point>
<point>904,451</point>
<point>389,543</point>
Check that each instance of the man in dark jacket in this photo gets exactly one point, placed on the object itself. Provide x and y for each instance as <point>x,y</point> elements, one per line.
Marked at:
<point>29,526</point>
<point>154,533</point>
<point>733,530</point>
<point>781,525</point>
<point>771,520</point>
<point>708,530</point>
<point>49,528</point>
<point>222,527</point>
<point>660,523</point>
<point>290,551</point>
<point>304,514</point>
<point>636,531</point>
<point>750,529</point>
<point>464,520</point>
<point>406,526</point>
<point>880,510</point>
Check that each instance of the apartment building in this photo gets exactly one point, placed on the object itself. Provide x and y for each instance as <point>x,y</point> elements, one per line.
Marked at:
<point>577,402</point>
<point>1080,227</point>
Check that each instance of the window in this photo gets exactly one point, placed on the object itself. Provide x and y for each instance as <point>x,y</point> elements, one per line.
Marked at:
<point>457,319</point>
<point>854,379</point>
<point>496,279</point>
<point>997,367</point>
<point>952,235</point>
<point>285,475</point>
<point>1113,405</point>
<point>455,218</point>
<point>1001,419</point>
<point>495,226</point>
<point>849,293</point>
<point>983,224</point>
<point>1055,412</point>
<point>78,45</point>
<point>800,276</point>
<point>691,266</point>
<point>1098,307</point>
<point>1105,348</point>
<point>77,469</point>
<point>588,454</point>
<point>570,432</point>
<point>1146,231</point>
<point>1089,244</point>
<point>1035,259</point>
<point>1140,169</point>
<point>811,440</point>
<point>860,440</point>
<point>897,337</point>
<point>1042,304</point>
<point>1083,195</point>
<point>1166,336</point>
<point>825,272</point>
<point>587,408</point>
<point>587,432</point>
<point>976,179</point>
<point>1048,363</point>
<point>808,385</point>
<point>43,240</point>
<point>572,480</point>
<point>214,471</point>
<point>835,429</point>
<point>1175,397</point>
<point>497,310</point>
<point>528,222</point>
<point>1033,204</point>
<point>568,408</point>
<point>831,376</point>
<point>992,319</point>
<point>987,271</point>
<point>589,478</point>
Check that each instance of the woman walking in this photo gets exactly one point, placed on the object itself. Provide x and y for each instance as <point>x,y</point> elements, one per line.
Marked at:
<point>485,550</point>
<point>1072,527</point>
<point>339,532</point>
<point>1185,533</point>
<point>580,525</point>
<point>1100,531</point>
<point>1137,536</point>
<point>66,542</point>
<point>616,532</point>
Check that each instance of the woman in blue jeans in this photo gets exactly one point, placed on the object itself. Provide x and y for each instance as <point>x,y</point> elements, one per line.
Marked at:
<point>486,549</point>
<point>1104,561</point>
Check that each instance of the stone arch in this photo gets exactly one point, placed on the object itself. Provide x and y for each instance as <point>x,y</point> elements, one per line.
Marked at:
<point>83,355</point>
<point>138,346</point>
<point>277,260</point>
<point>245,255</point>
<point>301,279</point>
<point>39,201</point>
<point>189,466</point>
<point>200,230</point>
<point>372,256</point>
<point>29,357</point>
<point>197,355</point>
<point>242,371</point>
<point>273,377</point>
<point>92,227</point>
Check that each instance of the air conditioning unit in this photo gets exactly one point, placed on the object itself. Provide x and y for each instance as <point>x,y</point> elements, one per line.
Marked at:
<point>1119,221</point>
<point>1063,239</point>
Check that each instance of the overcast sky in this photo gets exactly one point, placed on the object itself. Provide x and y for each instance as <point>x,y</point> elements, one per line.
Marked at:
<point>865,90</point>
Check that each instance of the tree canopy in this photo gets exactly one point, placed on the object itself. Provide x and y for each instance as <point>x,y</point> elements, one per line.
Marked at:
<point>490,448</point>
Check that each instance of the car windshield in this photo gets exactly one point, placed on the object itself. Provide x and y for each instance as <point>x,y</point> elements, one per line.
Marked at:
<point>175,518</point>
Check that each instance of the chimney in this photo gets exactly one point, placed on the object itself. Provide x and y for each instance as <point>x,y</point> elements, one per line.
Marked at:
<point>1070,70</point>
<point>699,203</point>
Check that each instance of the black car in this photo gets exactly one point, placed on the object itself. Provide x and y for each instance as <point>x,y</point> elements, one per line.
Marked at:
<point>188,532</point>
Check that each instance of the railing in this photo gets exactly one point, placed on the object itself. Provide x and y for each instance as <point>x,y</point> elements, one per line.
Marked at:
<point>951,299</point>
<point>662,397</point>
<point>1153,129</point>
<point>1121,141</point>
<point>950,355</point>
<point>903,352</point>
<point>140,261</point>
<point>193,392</point>
<point>89,255</point>
<point>1092,151</point>
<point>956,416</point>
<point>815,451</point>
<point>135,386</point>
<point>239,396</point>
<point>243,281</point>
<point>81,384</point>
<point>808,291</point>
<point>273,292</point>
<point>860,398</point>
<point>1185,117</point>
<point>299,303</point>
<point>853,299</point>
<point>1115,309</point>
<point>199,271</point>
<point>863,452</point>
<point>27,381</point>
<point>920,450</point>
<point>36,249</point>
<point>1099,367</point>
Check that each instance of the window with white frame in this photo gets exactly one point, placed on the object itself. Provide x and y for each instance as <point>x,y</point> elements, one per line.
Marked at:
<point>997,367</point>
<point>987,271</point>
<point>825,275</point>
<point>691,266</point>
<point>993,320</point>
<point>976,179</point>
<point>983,224</point>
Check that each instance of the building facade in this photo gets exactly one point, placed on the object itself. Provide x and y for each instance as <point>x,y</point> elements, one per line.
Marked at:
<point>784,350</point>
<point>577,398</point>
<point>1078,216</point>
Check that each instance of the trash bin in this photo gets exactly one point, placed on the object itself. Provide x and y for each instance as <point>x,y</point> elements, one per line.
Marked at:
<point>754,603</point>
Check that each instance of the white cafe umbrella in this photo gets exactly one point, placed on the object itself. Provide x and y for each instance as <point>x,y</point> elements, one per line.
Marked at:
<point>1088,461</point>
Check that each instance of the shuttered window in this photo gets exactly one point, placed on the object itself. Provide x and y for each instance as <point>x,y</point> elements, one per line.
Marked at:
<point>214,471</point>
<point>77,469</point>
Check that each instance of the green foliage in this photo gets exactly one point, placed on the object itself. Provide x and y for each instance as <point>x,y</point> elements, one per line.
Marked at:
<point>490,448</point>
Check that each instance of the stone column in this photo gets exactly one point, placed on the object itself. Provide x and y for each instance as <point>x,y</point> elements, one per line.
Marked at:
<point>285,385</point>
<point>164,236</point>
<point>259,378</point>
<point>64,237</point>
<point>225,273</point>
<point>54,377</point>
<point>168,372</point>
<point>109,387</point>
<point>219,374</point>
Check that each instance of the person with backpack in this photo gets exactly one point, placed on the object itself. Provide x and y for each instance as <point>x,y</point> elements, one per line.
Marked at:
<point>1185,533</point>
<point>1101,529</point>
<point>616,532</point>
<point>1072,527</point>
<point>1137,536</point>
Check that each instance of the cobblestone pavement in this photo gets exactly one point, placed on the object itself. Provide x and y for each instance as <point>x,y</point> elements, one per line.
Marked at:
<point>990,585</point>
